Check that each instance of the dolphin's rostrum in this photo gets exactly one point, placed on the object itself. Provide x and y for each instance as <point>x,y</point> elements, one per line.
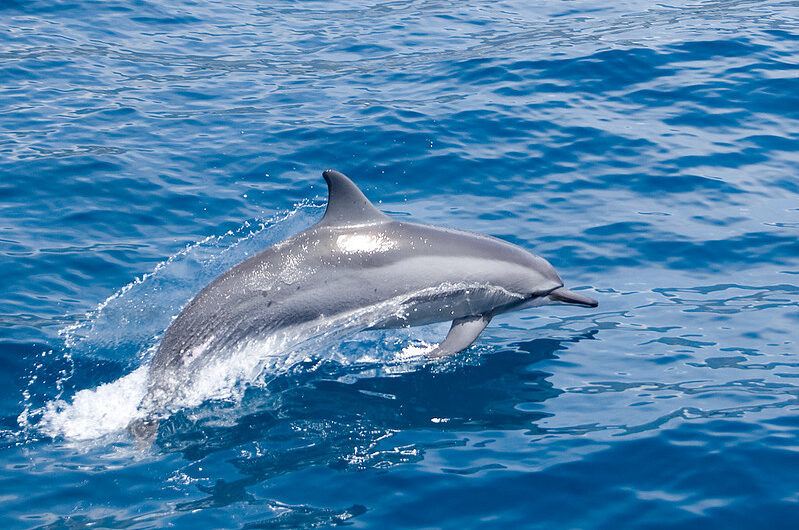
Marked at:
<point>354,258</point>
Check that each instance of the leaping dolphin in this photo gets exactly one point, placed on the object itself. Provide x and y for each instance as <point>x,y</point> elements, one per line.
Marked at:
<point>354,258</point>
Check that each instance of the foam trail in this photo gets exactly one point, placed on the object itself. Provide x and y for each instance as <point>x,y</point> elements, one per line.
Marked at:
<point>96,412</point>
<point>110,408</point>
<point>127,325</point>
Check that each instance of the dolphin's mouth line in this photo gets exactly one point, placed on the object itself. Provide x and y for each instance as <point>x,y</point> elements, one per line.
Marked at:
<point>541,294</point>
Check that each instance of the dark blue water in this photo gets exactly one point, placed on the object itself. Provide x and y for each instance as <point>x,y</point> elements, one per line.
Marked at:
<point>648,150</point>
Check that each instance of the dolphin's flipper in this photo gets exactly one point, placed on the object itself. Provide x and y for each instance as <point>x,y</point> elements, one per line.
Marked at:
<point>462,334</point>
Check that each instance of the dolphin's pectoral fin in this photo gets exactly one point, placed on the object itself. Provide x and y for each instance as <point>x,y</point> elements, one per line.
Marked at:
<point>462,334</point>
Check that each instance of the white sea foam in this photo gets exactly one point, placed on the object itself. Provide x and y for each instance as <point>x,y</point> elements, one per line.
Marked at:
<point>415,351</point>
<point>109,408</point>
<point>127,325</point>
<point>95,412</point>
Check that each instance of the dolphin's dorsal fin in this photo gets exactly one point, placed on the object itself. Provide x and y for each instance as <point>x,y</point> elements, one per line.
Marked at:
<point>346,204</point>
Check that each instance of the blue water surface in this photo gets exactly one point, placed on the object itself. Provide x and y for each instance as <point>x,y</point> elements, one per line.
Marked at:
<point>649,150</point>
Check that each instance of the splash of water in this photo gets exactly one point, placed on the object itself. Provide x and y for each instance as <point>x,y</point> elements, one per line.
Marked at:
<point>96,412</point>
<point>109,408</point>
<point>224,374</point>
<point>127,326</point>
<point>129,322</point>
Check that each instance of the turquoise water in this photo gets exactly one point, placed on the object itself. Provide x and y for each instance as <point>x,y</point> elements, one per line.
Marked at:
<point>647,150</point>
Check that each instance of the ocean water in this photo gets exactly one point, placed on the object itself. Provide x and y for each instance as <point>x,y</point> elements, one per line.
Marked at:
<point>649,150</point>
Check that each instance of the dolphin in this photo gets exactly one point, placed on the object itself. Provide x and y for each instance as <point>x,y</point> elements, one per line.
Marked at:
<point>355,258</point>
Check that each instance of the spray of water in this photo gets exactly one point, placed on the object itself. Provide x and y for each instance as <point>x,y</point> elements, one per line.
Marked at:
<point>129,322</point>
<point>127,326</point>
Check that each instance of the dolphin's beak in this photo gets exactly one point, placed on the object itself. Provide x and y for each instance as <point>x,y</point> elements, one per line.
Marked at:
<point>565,296</point>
